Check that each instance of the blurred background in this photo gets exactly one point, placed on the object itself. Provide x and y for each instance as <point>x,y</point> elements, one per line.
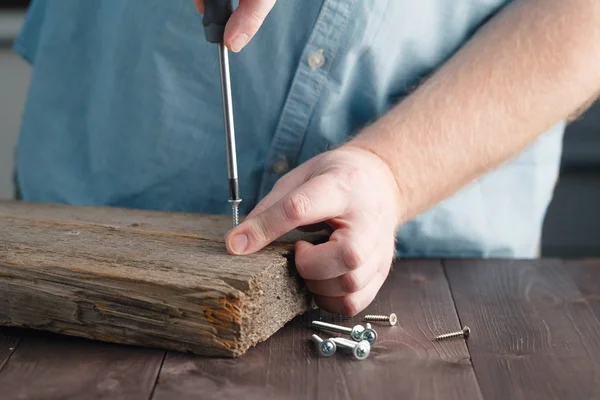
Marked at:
<point>573,219</point>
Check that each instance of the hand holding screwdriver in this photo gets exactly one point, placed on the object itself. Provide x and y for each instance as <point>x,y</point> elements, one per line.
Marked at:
<point>244,22</point>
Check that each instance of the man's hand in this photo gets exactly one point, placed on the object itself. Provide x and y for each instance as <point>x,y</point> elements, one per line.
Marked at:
<point>353,191</point>
<point>244,22</point>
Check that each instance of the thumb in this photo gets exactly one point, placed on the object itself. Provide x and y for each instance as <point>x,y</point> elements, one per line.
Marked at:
<point>245,22</point>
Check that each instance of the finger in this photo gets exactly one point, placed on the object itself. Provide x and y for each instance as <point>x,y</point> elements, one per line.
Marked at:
<point>352,282</point>
<point>283,186</point>
<point>245,22</point>
<point>352,304</point>
<point>311,203</point>
<point>347,250</point>
<point>199,6</point>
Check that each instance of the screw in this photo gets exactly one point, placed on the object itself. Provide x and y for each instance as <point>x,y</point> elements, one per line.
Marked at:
<point>355,333</point>
<point>369,334</point>
<point>466,332</point>
<point>326,347</point>
<point>392,319</point>
<point>235,212</point>
<point>360,350</point>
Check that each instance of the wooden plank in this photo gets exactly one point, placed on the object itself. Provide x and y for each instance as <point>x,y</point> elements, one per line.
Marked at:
<point>586,275</point>
<point>145,278</point>
<point>405,363</point>
<point>533,335</point>
<point>9,340</point>
<point>282,367</point>
<point>52,367</point>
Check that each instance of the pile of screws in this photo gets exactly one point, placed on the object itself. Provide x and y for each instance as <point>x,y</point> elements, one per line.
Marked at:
<point>363,337</point>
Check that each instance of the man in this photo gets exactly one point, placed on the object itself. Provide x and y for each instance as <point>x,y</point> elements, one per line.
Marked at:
<point>430,128</point>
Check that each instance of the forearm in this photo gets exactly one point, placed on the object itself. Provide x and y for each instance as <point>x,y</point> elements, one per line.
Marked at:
<point>534,64</point>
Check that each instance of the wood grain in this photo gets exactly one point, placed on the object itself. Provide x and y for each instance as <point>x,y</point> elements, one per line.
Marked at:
<point>405,363</point>
<point>51,367</point>
<point>9,340</point>
<point>533,333</point>
<point>143,278</point>
<point>586,276</point>
<point>283,367</point>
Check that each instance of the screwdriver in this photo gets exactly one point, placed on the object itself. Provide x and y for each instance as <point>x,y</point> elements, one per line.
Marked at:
<point>216,15</point>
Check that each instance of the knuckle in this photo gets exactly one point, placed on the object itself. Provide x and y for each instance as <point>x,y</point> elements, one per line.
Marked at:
<point>351,283</point>
<point>350,306</point>
<point>296,207</point>
<point>352,256</point>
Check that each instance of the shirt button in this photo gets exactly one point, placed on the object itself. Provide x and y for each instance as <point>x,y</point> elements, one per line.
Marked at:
<point>316,59</point>
<point>281,166</point>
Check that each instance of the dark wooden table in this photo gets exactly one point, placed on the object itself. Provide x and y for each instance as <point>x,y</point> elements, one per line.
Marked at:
<point>535,333</point>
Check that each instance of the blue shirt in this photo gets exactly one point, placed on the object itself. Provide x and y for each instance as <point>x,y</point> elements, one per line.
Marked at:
<point>124,109</point>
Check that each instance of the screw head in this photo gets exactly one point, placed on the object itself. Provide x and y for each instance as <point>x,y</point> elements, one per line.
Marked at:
<point>356,333</point>
<point>393,320</point>
<point>466,331</point>
<point>361,350</point>
<point>327,348</point>
<point>369,335</point>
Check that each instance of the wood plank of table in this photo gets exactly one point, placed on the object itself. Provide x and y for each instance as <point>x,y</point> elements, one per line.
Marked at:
<point>533,335</point>
<point>405,363</point>
<point>52,367</point>
<point>282,367</point>
<point>9,340</point>
<point>586,275</point>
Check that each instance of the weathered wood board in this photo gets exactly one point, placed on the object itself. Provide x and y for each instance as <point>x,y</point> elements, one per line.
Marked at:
<point>147,278</point>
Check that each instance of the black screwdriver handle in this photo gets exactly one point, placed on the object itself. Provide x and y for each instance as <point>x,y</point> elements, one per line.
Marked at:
<point>216,15</point>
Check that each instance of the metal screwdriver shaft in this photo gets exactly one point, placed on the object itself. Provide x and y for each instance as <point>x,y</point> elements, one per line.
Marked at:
<point>216,15</point>
<point>234,194</point>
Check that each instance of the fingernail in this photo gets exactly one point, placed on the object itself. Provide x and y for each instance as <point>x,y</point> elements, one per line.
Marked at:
<point>239,243</point>
<point>239,42</point>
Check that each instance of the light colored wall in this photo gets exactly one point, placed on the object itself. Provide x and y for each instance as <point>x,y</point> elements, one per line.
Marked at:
<point>14,81</point>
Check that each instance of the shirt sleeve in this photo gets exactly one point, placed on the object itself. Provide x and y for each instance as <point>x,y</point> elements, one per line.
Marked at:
<point>26,43</point>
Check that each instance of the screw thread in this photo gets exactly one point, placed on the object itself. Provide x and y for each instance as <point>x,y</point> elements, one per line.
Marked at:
<point>464,333</point>
<point>236,215</point>
<point>450,335</point>
<point>391,319</point>
<point>375,318</point>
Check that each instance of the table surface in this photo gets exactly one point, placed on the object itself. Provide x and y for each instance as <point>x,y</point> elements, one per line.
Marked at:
<point>535,333</point>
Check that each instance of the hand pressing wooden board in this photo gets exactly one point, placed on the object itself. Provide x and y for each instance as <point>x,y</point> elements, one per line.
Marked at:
<point>147,278</point>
